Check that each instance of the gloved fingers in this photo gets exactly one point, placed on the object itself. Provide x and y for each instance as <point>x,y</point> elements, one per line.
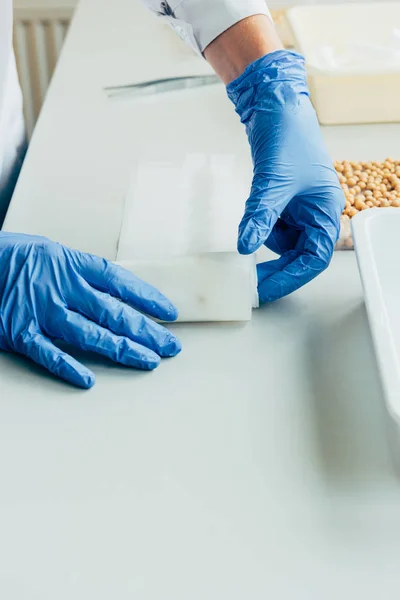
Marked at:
<point>123,320</point>
<point>117,281</point>
<point>43,352</point>
<point>267,201</point>
<point>268,276</point>
<point>283,237</point>
<point>89,336</point>
<point>319,216</point>
<point>291,271</point>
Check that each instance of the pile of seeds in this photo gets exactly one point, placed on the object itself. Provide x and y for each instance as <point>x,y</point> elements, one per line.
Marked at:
<point>366,185</point>
<point>369,184</point>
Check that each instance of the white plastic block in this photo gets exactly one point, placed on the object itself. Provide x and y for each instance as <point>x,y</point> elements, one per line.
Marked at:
<point>179,231</point>
<point>207,287</point>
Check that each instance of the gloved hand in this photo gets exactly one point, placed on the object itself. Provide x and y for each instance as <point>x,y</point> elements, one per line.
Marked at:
<point>296,200</point>
<point>48,291</point>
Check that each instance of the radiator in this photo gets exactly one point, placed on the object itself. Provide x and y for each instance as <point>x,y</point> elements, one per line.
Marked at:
<point>38,38</point>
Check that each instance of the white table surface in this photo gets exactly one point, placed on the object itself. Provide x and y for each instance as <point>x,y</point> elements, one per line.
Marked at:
<point>254,465</point>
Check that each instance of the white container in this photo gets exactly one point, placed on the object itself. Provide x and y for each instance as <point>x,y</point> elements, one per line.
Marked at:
<point>343,97</point>
<point>376,235</point>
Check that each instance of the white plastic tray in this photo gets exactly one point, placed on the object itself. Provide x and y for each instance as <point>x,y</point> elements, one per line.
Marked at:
<point>376,235</point>
<point>341,98</point>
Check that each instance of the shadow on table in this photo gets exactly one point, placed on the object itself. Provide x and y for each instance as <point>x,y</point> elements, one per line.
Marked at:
<point>351,422</point>
<point>19,368</point>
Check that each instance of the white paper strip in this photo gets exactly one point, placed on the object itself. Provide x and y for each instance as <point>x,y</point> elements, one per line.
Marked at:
<point>183,205</point>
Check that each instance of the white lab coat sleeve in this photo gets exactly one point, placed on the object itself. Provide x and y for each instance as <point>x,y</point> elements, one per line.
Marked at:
<point>199,22</point>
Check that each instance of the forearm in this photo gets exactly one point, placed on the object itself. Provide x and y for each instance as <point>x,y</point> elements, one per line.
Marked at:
<point>243,43</point>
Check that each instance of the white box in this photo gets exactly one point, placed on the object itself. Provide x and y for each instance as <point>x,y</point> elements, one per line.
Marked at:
<point>343,97</point>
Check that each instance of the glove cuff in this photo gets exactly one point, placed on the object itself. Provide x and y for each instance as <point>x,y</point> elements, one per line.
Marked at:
<point>269,83</point>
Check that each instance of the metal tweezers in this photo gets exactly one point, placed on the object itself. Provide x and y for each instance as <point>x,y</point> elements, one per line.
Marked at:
<point>157,86</point>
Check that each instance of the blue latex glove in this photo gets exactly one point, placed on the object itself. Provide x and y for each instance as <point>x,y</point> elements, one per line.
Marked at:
<point>296,200</point>
<point>48,291</point>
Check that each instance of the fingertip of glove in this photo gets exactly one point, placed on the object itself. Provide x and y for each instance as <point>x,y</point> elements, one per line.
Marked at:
<point>88,381</point>
<point>247,246</point>
<point>244,249</point>
<point>151,364</point>
<point>72,371</point>
<point>172,313</point>
<point>168,312</point>
<point>250,238</point>
<point>84,381</point>
<point>266,297</point>
<point>171,348</point>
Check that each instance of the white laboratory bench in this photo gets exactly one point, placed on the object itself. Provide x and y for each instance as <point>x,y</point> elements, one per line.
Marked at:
<point>256,464</point>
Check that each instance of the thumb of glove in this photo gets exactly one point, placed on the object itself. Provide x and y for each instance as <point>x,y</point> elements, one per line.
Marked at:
<point>268,199</point>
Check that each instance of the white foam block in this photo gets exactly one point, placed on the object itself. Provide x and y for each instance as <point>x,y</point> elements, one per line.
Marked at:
<point>184,199</point>
<point>219,286</point>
